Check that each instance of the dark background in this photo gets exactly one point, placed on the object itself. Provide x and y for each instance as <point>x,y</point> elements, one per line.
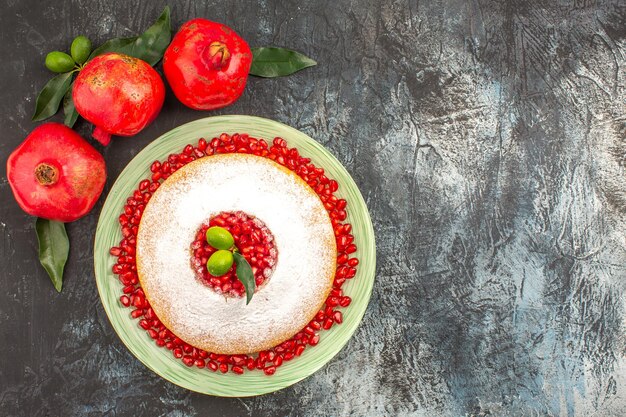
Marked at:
<point>488,139</point>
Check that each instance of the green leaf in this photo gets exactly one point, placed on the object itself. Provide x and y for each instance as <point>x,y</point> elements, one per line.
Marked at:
<point>71,115</point>
<point>54,247</point>
<point>149,46</point>
<point>245,275</point>
<point>50,97</point>
<point>119,45</point>
<point>278,62</point>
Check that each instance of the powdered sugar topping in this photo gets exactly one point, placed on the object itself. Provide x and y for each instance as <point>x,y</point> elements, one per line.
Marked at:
<point>302,276</point>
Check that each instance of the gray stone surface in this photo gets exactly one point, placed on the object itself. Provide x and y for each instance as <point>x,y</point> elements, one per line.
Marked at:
<point>488,138</point>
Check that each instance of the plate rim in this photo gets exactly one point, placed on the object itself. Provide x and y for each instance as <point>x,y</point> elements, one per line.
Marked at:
<point>367,277</point>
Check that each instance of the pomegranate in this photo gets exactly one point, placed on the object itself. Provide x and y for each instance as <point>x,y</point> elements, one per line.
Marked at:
<point>207,65</point>
<point>56,174</point>
<point>119,94</point>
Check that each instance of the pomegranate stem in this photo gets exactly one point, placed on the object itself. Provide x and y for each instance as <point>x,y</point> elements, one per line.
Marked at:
<point>101,136</point>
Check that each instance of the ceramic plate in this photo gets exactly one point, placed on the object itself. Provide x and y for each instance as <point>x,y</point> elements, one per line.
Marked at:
<point>161,360</point>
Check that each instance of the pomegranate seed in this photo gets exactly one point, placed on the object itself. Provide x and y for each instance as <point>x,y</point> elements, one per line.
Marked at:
<point>342,259</point>
<point>223,368</point>
<point>125,301</point>
<point>332,301</point>
<point>136,313</point>
<point>178,353</point>
<point>345,301</point>
<point>212,366</point>
<point>188,360</point>
<point>328,323</point>
<point>338,317</point>
<point>199,363</point>
<point>278,361</point>
<point>269,370</point>
<point>237,370</point>
<point>299,350</point>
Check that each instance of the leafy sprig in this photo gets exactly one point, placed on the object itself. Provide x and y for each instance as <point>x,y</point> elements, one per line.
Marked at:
<point>149,46</point>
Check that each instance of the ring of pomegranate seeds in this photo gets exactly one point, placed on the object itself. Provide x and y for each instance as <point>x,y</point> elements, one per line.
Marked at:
<point>134,298</point>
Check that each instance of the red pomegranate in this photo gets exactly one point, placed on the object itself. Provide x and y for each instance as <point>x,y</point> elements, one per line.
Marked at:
<point>119,94</point>
<point>56,174</point>
<point>207,65</point>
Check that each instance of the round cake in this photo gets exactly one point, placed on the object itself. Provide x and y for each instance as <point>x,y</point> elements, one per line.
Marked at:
<point>300,281</point>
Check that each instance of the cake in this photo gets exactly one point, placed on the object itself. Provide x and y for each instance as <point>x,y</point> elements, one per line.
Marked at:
<point>297,284</point>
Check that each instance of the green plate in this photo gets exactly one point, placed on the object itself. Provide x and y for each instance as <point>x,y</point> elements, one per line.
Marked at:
<point>161,360</point>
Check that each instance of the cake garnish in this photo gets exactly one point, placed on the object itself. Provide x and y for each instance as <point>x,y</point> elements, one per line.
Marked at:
<point>220,262</point>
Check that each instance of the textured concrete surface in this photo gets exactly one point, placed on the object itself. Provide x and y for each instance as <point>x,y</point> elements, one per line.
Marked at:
<point>488,138</point>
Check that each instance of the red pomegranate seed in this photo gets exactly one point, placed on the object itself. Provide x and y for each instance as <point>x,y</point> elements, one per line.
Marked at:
<point>338,317</point>
<point>188,360</point>
<point>125,301</point>
<point>223,368</point>
<point>299,350</point>
<point>336,292</point>
<point>332,301</point>
<point>212,366</point>
<point>178,353</point>
<point>328,323</point>
<point>342,259</point>
<point>237,370</point>
<point>199,363</point>
<point>270,370</point>
<point>345,301</point>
